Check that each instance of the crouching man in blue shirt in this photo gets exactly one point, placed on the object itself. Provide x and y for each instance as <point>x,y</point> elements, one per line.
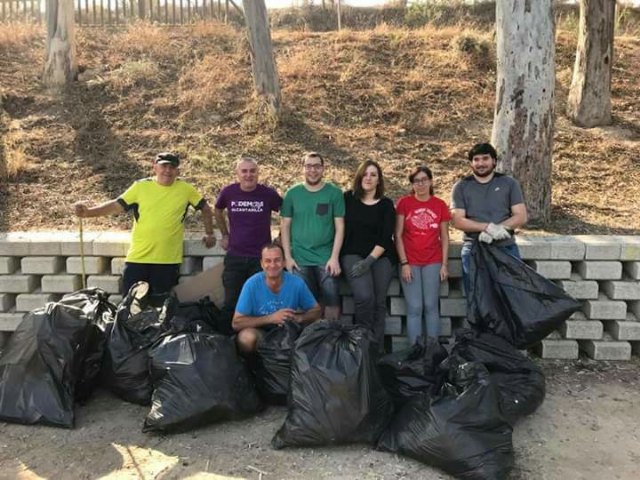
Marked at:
<point>269,298</point>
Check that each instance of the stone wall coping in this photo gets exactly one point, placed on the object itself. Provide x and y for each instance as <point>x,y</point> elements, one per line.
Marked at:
<point>550,247</point>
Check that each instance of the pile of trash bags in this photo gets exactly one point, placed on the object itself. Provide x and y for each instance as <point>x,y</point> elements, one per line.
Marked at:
<point>452,407</point>
<point>149,350</point>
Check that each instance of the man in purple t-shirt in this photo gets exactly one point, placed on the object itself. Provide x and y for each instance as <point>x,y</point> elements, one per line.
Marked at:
<point>249,205</point>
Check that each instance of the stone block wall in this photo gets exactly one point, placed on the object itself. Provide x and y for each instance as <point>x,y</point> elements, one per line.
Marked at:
<point>601,271</point>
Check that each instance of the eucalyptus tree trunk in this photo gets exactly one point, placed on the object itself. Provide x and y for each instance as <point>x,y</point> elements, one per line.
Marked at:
<point>60,60</point>
<point>265,74</point>
<point>589,102</point>
<point>523,121</point>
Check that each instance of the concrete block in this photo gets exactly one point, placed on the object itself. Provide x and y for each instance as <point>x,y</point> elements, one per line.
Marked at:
<point>455,248</point>
<point>92,265</point>
<point>560,349</point>
<point>70,245</point>
<point>194,247</point>
<point>190,265</point>
<point>621,290</point>
<point>630,247</point>
<point>533,248</point>
<point>9,265</point>
<point>606,350</point>
<point>455,268</point>
<point>61,283</point>
<point>565,248</point>
<point>117,264</point>
<point>398,306</point>
<point>115,299</point>
<point>210,262</point>
<point>446,326</point>
<point>605,309</point>
<point>580,289</point>
<point>582,329</point>
<point>600,247</point>
<point>7,302</point>
<point>10,321</point>
<point>42,265</point>
<point>393,326</point>
<point>44,244</point>
<point>14,244</point>
<point>600,270</point>
<point>399,343</point>
<point>624,330</point>
<point>634,307</point>
<point>444,289</point>
<point>553,270</point>
<point>18,283</point>
<point>555,335</point>
<point>632,269</point>
<point>111,244</point>
<point>453,307</point>
<point>394,289</point>
<point>108,283</point>
<point>26,302</point>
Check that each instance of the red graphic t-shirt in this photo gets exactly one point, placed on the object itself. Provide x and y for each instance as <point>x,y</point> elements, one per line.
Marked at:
<point>421,233</point>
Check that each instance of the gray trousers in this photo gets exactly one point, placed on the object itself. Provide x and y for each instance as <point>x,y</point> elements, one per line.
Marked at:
<point>370,293</point>
<point>422,296</point>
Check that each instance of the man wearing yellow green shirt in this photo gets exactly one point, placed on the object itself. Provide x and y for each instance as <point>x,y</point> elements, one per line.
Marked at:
<point>159,205</point>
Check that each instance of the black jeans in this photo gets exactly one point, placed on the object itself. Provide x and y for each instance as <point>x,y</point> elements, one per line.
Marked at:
<point>160,277</point>
<point>236,271</point>
<point>370,293</point>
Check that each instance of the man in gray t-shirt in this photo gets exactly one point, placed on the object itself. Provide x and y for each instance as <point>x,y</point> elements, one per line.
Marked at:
<point>487,205</point>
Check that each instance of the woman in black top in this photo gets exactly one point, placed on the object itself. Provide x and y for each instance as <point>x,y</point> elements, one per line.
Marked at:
<point>368,253</point>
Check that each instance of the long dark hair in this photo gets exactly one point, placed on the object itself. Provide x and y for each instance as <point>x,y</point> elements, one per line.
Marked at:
<point>424,169</point>
<point>358,192</point>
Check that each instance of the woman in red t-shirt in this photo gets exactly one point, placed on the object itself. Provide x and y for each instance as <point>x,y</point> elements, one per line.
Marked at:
<point>422,242</point>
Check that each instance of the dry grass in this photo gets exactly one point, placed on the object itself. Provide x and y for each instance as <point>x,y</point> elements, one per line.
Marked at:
<point>400,96</point>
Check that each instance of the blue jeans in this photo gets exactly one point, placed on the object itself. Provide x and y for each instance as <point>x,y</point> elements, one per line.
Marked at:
<point>422,296</point>
<point>324,287</point>
<point>466,260</point>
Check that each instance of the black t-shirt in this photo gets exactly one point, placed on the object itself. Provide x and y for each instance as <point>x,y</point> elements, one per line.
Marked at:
<point>367,226</point>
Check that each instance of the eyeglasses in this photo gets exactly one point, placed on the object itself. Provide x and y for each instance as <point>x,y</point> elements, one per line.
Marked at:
<point>313,166</point>
<point>420,181</point>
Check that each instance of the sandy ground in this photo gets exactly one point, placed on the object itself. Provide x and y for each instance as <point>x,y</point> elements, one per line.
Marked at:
<point>587,428</point>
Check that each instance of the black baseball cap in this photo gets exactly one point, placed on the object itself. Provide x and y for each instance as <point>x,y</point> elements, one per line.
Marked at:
<point>167,157</point>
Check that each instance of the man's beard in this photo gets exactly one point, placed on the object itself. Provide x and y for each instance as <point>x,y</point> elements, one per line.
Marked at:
<point>485,173</point>
<point>314,183</point>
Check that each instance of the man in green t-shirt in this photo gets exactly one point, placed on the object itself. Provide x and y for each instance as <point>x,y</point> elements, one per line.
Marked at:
<point>159,205</point>
<point>312,232</point>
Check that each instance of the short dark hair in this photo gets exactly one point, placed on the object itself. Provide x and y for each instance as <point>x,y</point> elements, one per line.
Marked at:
<point>482,149</point>
<point>312,155</point>
<point>358,192</point>
<point>271,246</point>
<point>422,169</point>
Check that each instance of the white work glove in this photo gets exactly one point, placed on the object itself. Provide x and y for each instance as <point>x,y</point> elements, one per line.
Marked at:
<point>485,237</point>
<point>497,232</point>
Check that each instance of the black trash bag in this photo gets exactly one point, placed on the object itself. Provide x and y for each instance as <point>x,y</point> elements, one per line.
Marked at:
<point>336,395</point>
<point>41,364</point>
<point>198,379</point>
<point>413,371</point>
<point>520,382</point>
<point>273,362</point>
<point>461,430</point>
<point>137,326</point>
<point>100,312</point>
<point>200,316</point>
<point>510,299</point>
